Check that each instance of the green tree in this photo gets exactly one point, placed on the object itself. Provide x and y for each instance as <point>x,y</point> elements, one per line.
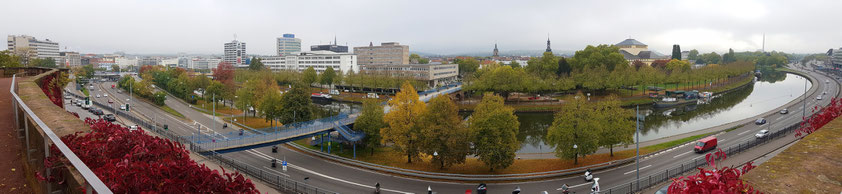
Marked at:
<point>676,65</point>
<point>256,64</point>
<point>616,122</point>
<point>467,65</point>
<point>709,58</point>
<point>444,136</point>
<point>563,67</point>
<point>115,68</point>
<point>160,98</point>
<point>694,55</point>
<point>544,66</point>
<point>601,55</point>
<point>403,118</point>
<point>296,105</point>
<point>494,129</point>
<point>370,122</point>
<point>415,58</point>
<point>7,59</point>
<point>310,76</point>
<point>676,52</point>
<point>214,91</point>
<point>574,124</point>
<point>89,71</point>
<point>43,62</point>
<point>514,64</point>
<point>271,107</point>
<point>328,76</point>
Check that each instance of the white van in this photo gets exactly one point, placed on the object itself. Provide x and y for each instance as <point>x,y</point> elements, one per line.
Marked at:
<point>372,95</point>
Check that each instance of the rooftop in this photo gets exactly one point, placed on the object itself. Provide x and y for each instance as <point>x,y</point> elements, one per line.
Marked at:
<point>630,42</point>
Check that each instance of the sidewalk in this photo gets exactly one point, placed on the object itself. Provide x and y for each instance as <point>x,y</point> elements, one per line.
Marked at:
<point>12,176</point>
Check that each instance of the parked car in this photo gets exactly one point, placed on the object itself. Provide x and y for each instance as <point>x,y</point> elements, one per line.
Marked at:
<point>67,97</point>
<point>784,111</point>
<point>762,134</point>
<point>91,110</point>
<point>705,144</point>
<point>97,95</point>
<point>98,112</point>
<point>110,118</point>
<point>109,101</point>
<point>760,121</point>
<point>86,107</point>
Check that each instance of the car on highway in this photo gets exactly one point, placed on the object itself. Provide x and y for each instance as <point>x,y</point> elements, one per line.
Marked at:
<point>110,101</point>
<point>98,112</point>
<point>91,110</point>
<point>67,97</point>
<point>79,103</point>
<point>705,144</point>
<point>760,121</point>
<point>110,118</point>
<point>133,127</point>
<point>123,107</point>
<point>105,95</point>
<point>761,134</point>
<point>97,95</point>
<point>819,97</point>
<point>784,111</point>
<point>86,107</point>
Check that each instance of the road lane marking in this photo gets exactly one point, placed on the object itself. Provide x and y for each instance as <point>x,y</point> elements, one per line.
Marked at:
<point>743,132</point>
<point>676,156</point>
<point>262,155</point>
<point>723,140</point>
<point>779,118</point>
<point>574,186</point>
<point>267,168</point>
<point>641,168</point>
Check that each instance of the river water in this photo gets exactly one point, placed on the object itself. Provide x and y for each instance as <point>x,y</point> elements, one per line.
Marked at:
<point>773,90</point>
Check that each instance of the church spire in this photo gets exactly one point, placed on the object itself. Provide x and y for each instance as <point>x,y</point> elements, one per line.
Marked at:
<point>548,44</point>
<point>495,50</point>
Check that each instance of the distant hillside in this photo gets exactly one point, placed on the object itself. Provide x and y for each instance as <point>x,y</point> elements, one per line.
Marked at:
<point>502,53</point>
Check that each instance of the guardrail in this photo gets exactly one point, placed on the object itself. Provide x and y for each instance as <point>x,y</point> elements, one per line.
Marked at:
<point>656,178</point>
<point>92,182</point>
<point>275,180</point>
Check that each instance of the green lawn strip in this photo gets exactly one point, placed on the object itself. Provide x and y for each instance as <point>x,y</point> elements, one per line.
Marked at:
<point>85,91</point>
<point>674,143</point>
<point>172,111</point>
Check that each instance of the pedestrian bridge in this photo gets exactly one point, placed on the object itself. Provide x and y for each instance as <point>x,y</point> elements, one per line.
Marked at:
<point>244,140</point>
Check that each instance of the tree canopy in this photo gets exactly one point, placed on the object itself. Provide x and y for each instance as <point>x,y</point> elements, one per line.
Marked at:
<point>494,129</point>
<point>403,130</point>
<point>444,136</point>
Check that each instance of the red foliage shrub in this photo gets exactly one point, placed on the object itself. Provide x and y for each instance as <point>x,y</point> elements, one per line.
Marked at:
<point>819,119</point>
<point>50,88</point>
<point>722,180</point>
<point>133,162</point>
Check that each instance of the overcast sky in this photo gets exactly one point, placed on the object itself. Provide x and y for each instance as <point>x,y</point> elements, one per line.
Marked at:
<point>430,26</point>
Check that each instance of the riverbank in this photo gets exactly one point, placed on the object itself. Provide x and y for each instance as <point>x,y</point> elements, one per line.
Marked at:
<point>626,102</point>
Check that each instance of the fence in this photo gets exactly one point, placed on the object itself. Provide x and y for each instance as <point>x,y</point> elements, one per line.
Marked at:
<point>272,179</point>
<point>27,119</point>
<point>656,178</point>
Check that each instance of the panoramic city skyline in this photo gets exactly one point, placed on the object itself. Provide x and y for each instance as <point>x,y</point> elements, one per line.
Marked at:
<point>440,27</point>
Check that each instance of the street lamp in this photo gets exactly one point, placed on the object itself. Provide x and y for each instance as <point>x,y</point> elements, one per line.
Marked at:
<point>576,157</point>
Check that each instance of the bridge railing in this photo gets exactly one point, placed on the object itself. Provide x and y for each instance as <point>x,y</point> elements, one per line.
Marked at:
<point>288,131</point>
<point>658,177</point>
<point>32,124</point>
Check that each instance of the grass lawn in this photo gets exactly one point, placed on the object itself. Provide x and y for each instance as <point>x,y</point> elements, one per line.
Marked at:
<point>254,122</point>
<point>172,111</point>
<point>220,108</point>
<point>85,91</point>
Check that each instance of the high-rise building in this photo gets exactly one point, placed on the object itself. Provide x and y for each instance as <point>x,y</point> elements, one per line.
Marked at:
<point>71,59</point>
<point>28,47</point>
<point>388,53</point>
<point>319,60</point>
<point>288,44</point>
<point>235,53</point>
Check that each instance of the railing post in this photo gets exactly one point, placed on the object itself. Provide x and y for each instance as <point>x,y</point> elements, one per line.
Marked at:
<point>47,169</point>
<point>26,130</point>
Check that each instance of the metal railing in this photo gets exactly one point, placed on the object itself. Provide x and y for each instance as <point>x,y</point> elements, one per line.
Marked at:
<point>656,178</point>
<point>288,131</point>
<point>271,178</point>
<point>92,182</point>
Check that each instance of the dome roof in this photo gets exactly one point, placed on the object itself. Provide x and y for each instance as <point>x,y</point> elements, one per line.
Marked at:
<point>629,42</point>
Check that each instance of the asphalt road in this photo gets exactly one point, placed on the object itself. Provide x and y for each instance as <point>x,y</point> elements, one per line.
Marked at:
<point>344,179</point>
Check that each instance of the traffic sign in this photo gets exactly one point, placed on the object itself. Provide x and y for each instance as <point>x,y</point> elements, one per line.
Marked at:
<point>284,165</point>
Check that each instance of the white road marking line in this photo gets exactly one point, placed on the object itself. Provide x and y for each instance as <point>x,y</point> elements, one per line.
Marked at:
<point>641,168</point>
<point>779,118</point>
<point>723,140</point>
<point>676,156</point>
<point>267,168</point>
<point>574,186</point>
<point>262,155</point>
<point>741,133</point>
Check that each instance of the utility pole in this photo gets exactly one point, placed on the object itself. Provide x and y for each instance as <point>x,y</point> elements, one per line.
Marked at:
<point>213,116</point>
<point>804,108</point>
<point>637,143</point>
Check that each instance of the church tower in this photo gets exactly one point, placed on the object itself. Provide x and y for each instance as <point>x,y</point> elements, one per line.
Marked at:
<point>496,52</point>
<point>548,45</point>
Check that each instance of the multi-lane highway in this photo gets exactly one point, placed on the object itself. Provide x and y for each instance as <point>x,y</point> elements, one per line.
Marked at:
<point>345,179</point>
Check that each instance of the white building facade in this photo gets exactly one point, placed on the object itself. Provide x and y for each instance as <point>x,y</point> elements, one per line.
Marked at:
<point>319,60</point>
<point>29,47</point>
<point>202,63</point>
<point>235,53</point>
<point>288,44</point>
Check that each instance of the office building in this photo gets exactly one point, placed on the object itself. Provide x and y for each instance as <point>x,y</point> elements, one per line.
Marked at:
<point>170,62</point>
<point>125,62</point>
<point>288,44</point>
<point>330,47</point>
<point>319,60</point>
<point>235,53</point>
<point>203,63</point>
<point>69,59</point>
<point>28,47</point>
<point>388,53</point>
<point>434,74</point>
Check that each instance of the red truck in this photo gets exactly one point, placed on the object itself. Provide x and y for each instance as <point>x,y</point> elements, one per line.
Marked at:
<point>705,144</point>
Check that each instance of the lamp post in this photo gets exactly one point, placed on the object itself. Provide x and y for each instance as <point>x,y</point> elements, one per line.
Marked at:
<point>576,157</point>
